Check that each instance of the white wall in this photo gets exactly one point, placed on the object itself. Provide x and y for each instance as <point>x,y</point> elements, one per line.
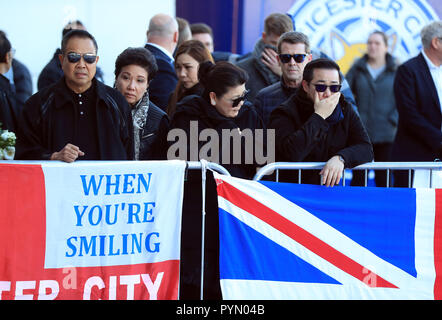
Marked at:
<point>34,27</point>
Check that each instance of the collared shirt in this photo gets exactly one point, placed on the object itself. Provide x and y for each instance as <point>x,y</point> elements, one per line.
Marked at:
<point>162,50</point>
<point>436,74</point>
<point>86,136</point>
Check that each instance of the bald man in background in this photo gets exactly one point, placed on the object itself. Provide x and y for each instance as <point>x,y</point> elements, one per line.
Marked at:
<point>162,39</point>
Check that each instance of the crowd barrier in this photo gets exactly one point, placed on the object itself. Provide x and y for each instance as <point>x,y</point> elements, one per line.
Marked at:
<point>411,167</point>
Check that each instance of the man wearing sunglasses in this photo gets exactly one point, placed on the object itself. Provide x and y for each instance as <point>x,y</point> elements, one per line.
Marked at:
<point>294,52</point>
<point>317,124</point>
<point>78,117</point>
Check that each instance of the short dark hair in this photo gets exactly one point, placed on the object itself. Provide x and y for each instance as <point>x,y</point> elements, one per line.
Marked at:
<point>221,76</point>
<point>77,33</point>
<point>294,37</point>
<point>277,24</point>
<point>137,56</point>
<point>5,46</point>
<point>321,63</point>
<point>197,28</point>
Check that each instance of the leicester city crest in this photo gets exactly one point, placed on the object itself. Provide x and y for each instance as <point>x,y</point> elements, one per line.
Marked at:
<point>340,28</point>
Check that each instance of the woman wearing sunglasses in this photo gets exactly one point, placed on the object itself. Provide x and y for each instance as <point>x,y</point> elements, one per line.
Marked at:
<point>317,124</point>
<point>222,105</point>
<point>134,68</point>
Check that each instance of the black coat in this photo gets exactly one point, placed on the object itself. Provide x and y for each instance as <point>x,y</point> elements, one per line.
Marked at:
<point>153,137</point>
<point>49,122</point>
<point>22,82</point>
<point>165,81</point>
<point>197,108</point>
<point>304,136</point>
<point>419,136</point>
<point>9,112</point>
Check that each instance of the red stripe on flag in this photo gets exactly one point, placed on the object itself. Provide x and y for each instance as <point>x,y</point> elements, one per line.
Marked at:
<point>22,220</point>
<point>438,245</point>
<point>287,227</point>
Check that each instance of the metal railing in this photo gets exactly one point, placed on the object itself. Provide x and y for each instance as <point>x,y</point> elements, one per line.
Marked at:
<point>387,166</point>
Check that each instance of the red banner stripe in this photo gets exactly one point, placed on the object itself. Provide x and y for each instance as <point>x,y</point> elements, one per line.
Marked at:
<point>322,249</point>
<point>438,246</point>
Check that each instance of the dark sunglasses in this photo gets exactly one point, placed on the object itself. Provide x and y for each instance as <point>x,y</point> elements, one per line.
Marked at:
<point>322,87</point>
<point>74,57</point>
<point>236,101</point>
<point>298,57</point>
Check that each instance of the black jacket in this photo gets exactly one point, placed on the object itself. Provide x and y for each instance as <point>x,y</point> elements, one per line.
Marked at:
<point>419,136</point>
<point>165,81</point>
<point>153,137</point>
<point>52,72</point>
<point>49,122</point>
<point>304,136</point>
<point>197,108</point>
<point>8,110</point>
<point>22,82</point>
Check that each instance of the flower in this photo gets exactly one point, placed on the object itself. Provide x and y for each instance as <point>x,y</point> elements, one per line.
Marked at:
<point>7,144</point>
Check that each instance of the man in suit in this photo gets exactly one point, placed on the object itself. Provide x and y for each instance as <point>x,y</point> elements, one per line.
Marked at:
<point>418,94</point>
<point>162,39</point>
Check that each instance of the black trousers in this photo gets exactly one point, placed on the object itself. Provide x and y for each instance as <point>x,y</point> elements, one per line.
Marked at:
<point>382,153</point>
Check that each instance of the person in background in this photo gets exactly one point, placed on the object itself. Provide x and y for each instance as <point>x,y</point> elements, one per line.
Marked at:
<point>190,54</point>
<point>184,32</point>
<point>79,117</point>
<point>20,79</point>
<point>162,39</point>
<point>293,54</point>
<point>418,95</point>
<point>52,72</point>
<point>262,66</point>
<point>317,124</point>
<point>8,110</point>
<point>134,69</point>
<point>371,80</point>
<point>204,33</point>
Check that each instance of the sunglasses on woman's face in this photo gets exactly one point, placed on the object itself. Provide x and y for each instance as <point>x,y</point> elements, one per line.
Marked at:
<point>298,57</point>
<point>322,87</point>
<point>236,101</point>
<point>74,57</point>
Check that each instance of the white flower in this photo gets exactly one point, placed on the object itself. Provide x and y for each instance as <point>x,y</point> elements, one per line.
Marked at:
<point>9,153</point>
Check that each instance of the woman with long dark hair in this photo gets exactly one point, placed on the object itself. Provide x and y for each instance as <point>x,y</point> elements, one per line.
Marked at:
<point>189,55</point>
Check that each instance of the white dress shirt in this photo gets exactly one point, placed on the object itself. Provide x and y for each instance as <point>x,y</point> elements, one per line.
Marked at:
<point>436,74</point>
<point>162,50</point>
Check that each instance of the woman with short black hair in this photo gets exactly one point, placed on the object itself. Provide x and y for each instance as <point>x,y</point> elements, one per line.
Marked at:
<point>134,69</point>
<point>222,105</point>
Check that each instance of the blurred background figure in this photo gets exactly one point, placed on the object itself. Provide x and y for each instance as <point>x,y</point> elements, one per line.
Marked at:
<point>8,109</point>
<point>204,33</point>
<point>134,69</point>
<point>162,39</point>
<point>189,55</point>
<point>52,72</point>
<point>184,32</point>
<point>371,80</point>
<point>20,79</point>
<point>263,66</point>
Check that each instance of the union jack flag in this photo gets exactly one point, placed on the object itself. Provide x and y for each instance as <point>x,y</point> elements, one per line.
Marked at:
<point>289,241</point>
